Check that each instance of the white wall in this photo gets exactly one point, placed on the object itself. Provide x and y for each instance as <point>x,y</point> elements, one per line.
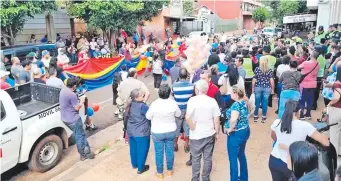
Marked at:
<point>329,13</point>
<point>37,26</point>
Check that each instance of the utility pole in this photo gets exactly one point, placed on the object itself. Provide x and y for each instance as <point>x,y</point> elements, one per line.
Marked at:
<point>181,15</point>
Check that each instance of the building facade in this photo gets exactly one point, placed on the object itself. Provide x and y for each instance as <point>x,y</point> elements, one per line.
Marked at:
<point>328,11</point>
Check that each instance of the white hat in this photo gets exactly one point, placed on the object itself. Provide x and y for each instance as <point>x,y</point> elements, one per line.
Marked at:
<point>3,73</point>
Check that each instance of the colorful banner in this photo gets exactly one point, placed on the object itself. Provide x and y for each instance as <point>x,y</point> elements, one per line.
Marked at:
<point>99,72</point>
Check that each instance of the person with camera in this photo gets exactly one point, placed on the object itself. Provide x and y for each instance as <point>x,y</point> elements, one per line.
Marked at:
<point>69,109</point>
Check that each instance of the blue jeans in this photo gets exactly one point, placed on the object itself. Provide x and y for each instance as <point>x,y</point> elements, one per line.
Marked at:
<point>307,97</point>
<point>285,96</point>
<point>139,148</point>
<point>80,137</point>
<point>236,143</point>
<point>262,96</point>
<point>164,142</point>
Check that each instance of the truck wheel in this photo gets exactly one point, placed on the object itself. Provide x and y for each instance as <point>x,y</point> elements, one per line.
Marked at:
<point>46,154</point>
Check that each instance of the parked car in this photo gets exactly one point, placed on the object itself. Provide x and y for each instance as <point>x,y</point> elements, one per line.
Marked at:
<point>195,33</point>
<point>272,32</point>
<point>31,128</point>
<point>21,51</point>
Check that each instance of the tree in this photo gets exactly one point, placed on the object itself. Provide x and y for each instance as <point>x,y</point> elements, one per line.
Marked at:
<point>281,8</point>
<point>188,8</point>
<point>112,15</point>
<point>260,14</point>
<point>13,15</point>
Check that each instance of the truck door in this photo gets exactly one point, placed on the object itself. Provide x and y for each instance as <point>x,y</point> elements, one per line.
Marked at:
<point>10,135</point>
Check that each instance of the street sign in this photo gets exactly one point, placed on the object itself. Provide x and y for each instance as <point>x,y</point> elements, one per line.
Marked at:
<point>299,18</point>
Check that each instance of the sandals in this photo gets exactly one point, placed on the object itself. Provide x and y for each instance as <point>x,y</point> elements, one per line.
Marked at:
<point>264,119</point>
<point>255,119</point>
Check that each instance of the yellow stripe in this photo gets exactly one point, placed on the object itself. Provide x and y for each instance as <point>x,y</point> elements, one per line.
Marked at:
<point>142,64</point>
<point>98,74</point>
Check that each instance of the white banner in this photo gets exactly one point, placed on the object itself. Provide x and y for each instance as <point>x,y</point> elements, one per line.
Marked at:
<point>299,18</point>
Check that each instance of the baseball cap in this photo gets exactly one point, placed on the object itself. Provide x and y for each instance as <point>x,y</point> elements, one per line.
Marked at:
<point>3,73</point>
<point>44,52</point>
<point>31,54</point>
<point>321,28</point>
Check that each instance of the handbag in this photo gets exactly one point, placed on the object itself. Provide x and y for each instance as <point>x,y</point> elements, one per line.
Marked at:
<point>305,75</point>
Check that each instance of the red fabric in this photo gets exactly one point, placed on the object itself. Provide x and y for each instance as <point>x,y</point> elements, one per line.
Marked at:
<point>4,85</point>
<point>212,90</point>
<point>93,65</point>
<point>124,34</point>
<point>82,57</point>
<point>254,59</point>
<point>337,84</point>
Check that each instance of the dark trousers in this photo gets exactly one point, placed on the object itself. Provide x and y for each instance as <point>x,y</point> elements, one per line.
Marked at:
<point>248,87</point>
<point>202,148</point>
<point>317,92</point>
<point>139,148</point>
<point>326,101</point>
<point>279,90</point>
<point>80,137</point>
<point>307,100</point>
<point>279,170</point>
<point>157,80</point>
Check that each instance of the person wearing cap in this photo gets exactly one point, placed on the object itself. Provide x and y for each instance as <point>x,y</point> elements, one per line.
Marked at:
<point>320,34</point>
<point>33,58</point>
<point>3,76</point>
<point>45,58</point>
<point>25,75</point>
<point>37,76</point>
<point>202,117</point>
<point>16,68</point>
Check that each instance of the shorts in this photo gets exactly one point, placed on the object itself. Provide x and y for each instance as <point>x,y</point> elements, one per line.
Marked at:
<point>181,124</point>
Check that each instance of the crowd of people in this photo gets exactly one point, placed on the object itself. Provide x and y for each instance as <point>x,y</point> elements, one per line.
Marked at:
<point>239,78</point>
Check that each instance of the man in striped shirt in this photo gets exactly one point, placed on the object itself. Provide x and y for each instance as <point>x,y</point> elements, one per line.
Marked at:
<point>182,91</point>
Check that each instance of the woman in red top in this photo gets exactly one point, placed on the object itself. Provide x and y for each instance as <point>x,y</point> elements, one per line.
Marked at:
<point>334,112</point>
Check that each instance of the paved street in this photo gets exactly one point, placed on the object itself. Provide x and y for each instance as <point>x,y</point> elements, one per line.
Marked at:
<point>113,163</point>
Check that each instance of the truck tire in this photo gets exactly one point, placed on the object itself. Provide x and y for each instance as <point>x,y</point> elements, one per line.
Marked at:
<point>46,154</point>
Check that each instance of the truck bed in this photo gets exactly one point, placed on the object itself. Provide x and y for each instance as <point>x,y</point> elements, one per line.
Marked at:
<point>33,107</point>
<point>34,98</point>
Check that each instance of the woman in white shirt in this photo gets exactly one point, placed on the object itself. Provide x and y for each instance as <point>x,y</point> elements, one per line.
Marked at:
<point>162,113</point>
<point>285,132</point>
<point>157,71</point>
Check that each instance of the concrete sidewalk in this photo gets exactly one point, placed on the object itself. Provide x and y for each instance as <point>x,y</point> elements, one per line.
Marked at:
<point>113,164</point>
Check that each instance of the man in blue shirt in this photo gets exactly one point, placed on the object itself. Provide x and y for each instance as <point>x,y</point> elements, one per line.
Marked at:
<point>182,91</point>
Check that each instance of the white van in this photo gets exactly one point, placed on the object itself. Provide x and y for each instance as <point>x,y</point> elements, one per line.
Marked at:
<point>271,32</point>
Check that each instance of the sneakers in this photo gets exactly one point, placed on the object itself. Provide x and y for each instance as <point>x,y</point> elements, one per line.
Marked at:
<point>117,112</point>
<point>264,119</point>
<point>120,117</point>
<point>146,168</point>
<point>91,127</point>
<point>308,118</point>
<point>302,118</point>
<point>169,173</point>
<point>159,176</point>
<point>255,119</point>
<point>189,163</point>
<point>87,156</point>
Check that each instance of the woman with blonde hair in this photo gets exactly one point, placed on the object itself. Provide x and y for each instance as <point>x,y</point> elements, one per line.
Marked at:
<point>262,86</point>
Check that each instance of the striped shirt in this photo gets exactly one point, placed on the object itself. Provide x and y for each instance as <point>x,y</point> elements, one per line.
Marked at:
<point>182,90</point>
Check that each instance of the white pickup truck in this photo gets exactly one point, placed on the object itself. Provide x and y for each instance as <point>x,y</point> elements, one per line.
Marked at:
<point>31,129</point>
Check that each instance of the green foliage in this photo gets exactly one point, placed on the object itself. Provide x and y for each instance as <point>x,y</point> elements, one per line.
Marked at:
<point>287,8</point>
<point>108,15</point>
<point>188,7</point>
<point>281,8</point>
<point>260,14</point>
<point>13,14</point>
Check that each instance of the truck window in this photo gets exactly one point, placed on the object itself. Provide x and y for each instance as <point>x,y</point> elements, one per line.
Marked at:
<point>21,54</point>
<point>2,110</point>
